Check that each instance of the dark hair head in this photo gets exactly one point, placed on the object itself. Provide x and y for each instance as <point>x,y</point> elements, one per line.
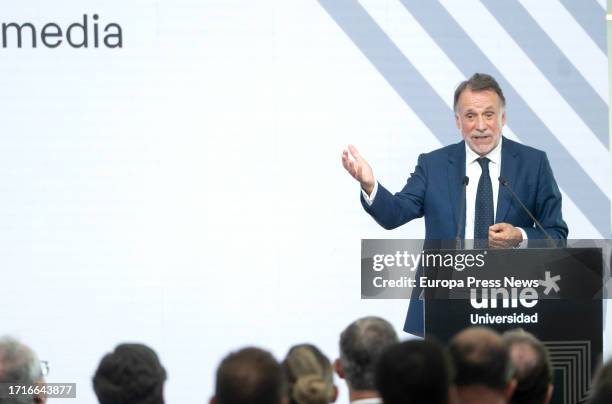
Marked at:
<point>249,376</point>
<point>479,82</point>
<point>481,357</point>
<point>131,374</point>
<point>309,375</point>
<point>415,371</point>
<point>361,344</point>
<point>533,370</point>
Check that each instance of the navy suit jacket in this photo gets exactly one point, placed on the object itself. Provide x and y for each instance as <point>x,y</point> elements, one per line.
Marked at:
<point>434,189</point>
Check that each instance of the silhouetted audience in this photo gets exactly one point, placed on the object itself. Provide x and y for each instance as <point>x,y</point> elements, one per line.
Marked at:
<point>19,365</point>
<point>415,371</point>
<point>479,366</point>
<point>309,375</point>
<point>249,376</point>
<point>131,374</point>
<point>361,344</point>
<point>484,372</point>
<point>533,370</point>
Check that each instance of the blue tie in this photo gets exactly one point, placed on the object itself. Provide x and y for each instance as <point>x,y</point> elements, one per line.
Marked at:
<point>483,215</point>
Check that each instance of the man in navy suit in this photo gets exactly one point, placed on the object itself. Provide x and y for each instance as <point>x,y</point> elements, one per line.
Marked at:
<point>435,187</point>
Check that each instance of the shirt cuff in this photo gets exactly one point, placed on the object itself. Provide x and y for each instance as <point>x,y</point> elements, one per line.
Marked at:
<point>522,244</point>
<point>370,198</point>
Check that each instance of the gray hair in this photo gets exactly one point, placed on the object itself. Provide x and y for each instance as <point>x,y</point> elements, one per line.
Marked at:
<point>361,345</point>
<point>480,82</point>
<point>19,365</point>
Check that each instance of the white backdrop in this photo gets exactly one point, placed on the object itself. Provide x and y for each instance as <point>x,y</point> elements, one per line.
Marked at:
<point>186,190</point>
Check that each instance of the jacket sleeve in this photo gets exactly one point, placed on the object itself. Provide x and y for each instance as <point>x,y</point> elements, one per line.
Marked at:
<point>391,211</point>
<point>548,205</point>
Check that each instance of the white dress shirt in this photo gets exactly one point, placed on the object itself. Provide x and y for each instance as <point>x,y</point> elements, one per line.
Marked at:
<point>473,171</point>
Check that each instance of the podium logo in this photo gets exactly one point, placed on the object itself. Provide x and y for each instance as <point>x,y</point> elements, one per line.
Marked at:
<point>89,32</point>
<point>510,298</point>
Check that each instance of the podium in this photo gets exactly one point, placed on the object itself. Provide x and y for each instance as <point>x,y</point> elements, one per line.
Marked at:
<point>563,309</point>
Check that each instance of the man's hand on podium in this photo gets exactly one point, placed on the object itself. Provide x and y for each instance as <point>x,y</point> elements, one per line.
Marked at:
<point>504,235</point>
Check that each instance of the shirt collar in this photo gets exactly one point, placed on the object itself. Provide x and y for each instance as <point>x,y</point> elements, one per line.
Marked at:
<point>494,155</point>
<point>373,400</point>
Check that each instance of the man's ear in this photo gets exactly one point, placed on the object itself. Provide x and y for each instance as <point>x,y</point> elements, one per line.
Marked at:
<point>457,121</point>
<point>40,399</point>
<point>334,395</point>
<point>339,369</point>
<point>509,389</point>
<point>549,392</point>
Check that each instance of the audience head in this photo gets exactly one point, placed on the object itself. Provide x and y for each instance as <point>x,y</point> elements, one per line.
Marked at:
<point>131,374</point>
<point>415,371</point>
<point>309,375</point>
<point>533,370</point>
<point>482,364</point>
<point>361,344</point>
<point>601,392</point>
<point>249,376</point>
<point>19,365</point>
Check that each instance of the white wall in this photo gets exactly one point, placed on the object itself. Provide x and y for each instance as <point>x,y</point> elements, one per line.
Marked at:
<point>186,190</point>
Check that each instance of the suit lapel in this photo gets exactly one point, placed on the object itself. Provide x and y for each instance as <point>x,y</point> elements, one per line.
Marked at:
<point>456,172</point>
<point>509,168</point>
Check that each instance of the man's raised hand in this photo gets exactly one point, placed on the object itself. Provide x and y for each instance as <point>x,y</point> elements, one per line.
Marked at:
<point>359,168</point>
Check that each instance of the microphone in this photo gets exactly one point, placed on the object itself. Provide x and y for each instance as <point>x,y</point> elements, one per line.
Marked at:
<point>460,221</point>
<point>506,184</point>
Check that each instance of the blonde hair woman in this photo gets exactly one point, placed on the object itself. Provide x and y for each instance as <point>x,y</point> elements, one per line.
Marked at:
<point>310,377</point>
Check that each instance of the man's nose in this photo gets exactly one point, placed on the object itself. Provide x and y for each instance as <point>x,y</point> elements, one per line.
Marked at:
<point>481,125</point>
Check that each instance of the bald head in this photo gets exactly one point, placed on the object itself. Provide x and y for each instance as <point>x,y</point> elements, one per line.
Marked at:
<point>481,357</point>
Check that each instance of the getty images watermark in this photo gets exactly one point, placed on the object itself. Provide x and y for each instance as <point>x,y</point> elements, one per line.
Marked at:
<point>392,269</point>
<point>15,391</point>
